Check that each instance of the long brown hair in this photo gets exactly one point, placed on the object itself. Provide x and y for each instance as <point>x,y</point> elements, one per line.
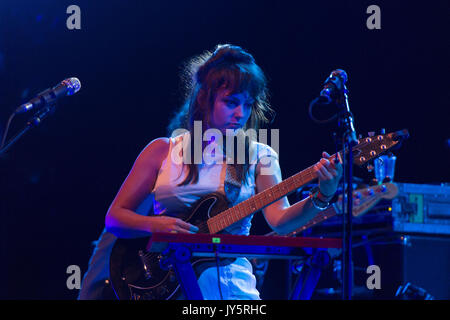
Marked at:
<point>227,67</point>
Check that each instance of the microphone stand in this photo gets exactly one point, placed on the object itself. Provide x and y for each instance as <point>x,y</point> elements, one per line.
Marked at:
<point>33,122</point>
<point>345,122</point>
<point>335,90</point>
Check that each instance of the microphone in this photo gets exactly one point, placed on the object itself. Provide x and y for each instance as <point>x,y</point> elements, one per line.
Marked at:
<point>333,86</point>
<point>333,94</point>
<point>67,87</point>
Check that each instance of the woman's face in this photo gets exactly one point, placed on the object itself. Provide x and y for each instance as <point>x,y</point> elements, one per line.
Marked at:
<point>231,110</point>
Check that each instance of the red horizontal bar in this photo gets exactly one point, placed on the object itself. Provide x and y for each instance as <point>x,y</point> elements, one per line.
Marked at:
<point>275,241</point>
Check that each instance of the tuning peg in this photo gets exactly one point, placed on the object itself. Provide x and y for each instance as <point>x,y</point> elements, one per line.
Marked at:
<point>371,133</point>
<point>357,195</point>
<point>370,167</point>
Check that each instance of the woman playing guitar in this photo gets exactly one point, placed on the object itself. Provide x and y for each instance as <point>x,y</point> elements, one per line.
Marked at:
<point>227,92</point>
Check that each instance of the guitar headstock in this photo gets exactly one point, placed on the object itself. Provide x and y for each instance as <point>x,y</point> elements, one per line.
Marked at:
<point>365,198</point>
<point>387,190</point>
<point>373,146</point>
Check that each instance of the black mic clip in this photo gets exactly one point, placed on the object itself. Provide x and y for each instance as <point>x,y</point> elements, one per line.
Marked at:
<point>334,95</point>
<point>334,88</point>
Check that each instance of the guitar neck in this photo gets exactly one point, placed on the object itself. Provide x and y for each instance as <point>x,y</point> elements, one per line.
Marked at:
<point>320,217</point>
<point>261,200</point>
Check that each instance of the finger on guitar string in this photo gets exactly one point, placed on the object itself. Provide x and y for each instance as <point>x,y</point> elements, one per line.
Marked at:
<point>169,224</point>
<point>327,163</point>
<point>323,172</point>
<point>178,229</point>
<point>335,161</point>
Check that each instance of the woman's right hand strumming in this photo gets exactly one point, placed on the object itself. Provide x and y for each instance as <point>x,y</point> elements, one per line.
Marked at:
<point>170,224</point>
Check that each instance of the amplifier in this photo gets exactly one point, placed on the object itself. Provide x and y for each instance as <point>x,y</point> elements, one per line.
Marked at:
<point>422,260</point>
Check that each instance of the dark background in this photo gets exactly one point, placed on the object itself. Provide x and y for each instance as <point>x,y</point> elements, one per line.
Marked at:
<point>58,181</point>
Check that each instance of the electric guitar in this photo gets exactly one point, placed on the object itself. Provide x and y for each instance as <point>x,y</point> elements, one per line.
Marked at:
<point>136,273</point>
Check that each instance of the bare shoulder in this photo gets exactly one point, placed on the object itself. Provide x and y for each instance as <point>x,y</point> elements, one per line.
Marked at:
<point>156,151</point>
<point>158,145</point>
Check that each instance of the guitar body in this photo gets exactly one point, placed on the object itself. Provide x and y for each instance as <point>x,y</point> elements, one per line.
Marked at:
<point>136,274</point>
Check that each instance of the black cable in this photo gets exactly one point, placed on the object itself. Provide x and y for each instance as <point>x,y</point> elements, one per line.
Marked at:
<point>218,275</point>
<point>319,121</point>
<point>5,133</point>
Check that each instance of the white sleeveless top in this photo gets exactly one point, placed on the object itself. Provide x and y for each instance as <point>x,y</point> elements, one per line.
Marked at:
<point>237,281</point>
<point>174,199</point>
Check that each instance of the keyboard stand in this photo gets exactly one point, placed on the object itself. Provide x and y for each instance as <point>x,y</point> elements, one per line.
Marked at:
<point>178,257</point>
<point>309,275</point>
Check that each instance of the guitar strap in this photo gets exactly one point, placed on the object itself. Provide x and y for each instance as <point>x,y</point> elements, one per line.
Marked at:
<point>234,172</point>
<point>232,184</point>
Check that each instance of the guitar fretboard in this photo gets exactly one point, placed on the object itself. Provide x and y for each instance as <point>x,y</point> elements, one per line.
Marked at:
<point>261,200</point>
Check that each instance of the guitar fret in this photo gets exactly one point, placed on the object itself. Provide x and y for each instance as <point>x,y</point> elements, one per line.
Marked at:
<point>243,209</point>
<point>277,189</point>
<point>266,200</point>
<point>228,218</point>
<point>260,202</point>
<point>290,184</point>
<point>253,205</point>
<point>237,213</point>
<point>231,217</point>
<point>212,226</point>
